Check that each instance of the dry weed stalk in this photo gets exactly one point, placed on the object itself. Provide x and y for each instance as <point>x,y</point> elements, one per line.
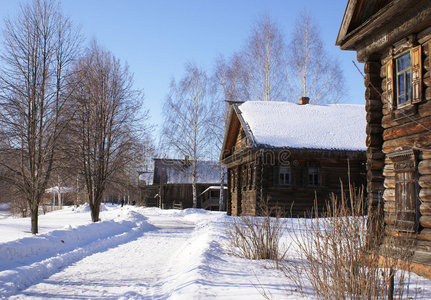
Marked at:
<point>258,237</point>
<point>335,254</point>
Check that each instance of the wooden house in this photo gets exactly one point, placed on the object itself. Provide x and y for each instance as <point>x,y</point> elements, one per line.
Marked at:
<point>393,40</point>
<point>282,154</point>
<point>171,185</point>
<point>210,198</point>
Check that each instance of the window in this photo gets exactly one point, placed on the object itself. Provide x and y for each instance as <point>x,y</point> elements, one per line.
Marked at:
<point>284,176</point>
<point>403,79</point>
<point>313,176</point>
<point>406,202</point>
<point>253,177</point>
<point>214,194</point>
<point>244,177</point>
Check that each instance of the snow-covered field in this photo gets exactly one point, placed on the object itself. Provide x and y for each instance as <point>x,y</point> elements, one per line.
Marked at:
<point>134,253</point>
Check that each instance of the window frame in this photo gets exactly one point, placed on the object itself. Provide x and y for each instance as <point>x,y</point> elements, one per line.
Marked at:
<point>406,190</point>
<point>406,73</point>
<point>316,176</point>
<point>283,181</point>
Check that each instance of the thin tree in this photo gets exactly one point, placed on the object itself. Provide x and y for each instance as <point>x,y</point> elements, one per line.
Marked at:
<point>186,119</point>
<point>229,85</point>
<point>39,47</point>
<point>106,123</point>
<point>264,61</point>
<point>311,72</point>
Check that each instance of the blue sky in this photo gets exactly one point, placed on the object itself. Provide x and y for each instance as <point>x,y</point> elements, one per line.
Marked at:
<point>157,37</point>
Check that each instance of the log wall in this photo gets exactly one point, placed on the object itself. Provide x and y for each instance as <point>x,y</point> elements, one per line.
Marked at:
<point>404,128</point>
<point>298,198</point>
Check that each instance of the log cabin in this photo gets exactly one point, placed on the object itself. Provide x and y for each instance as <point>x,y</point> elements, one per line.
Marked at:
<point>285,155</point>
<point>393,40</point>
<point>171,185</point>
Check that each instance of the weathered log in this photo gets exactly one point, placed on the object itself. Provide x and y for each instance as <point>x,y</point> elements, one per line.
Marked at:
<point>424,154</point>
<point>373,140</point>
<point>426,65</point>
<point>389,195</point>
<point>375,175</point>
<point>418,140</point>
<point>427,81</point>
<point>425,167</point>
<point>425,194</point>
<point>375,155</point>
<point>375,164</point>
<point>372,129</point>
<point>425,209</point>
<point>374,117</point>
<point>389,182</point>
<point>428,93</point>
<point>422,125</point>
<point>425,181</point>
<point>373,105</point>
<point>425,221</point>
<point>388,170</point>
<point>372,67</point>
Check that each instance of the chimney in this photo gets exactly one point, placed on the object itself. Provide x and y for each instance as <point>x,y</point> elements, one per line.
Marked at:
<point>186,160</point>
<point>304,100</point>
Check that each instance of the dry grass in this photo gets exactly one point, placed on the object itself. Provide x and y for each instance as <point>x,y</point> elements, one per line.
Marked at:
<point>258,237</point>
<point>334,254</point>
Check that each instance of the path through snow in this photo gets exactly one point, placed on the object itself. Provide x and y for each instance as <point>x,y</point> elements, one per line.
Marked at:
<point>138,269</point>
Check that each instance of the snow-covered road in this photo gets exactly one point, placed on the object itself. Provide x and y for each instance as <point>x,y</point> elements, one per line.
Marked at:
<point>135,253</point>
<point>140,268</point>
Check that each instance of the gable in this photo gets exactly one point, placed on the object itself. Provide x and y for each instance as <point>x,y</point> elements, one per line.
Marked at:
<point>357,13</point>
<point>369,27</point>
<point>237,136</point>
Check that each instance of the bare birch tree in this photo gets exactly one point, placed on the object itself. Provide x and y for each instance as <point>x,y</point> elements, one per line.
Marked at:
<point>186,119</point>
<point>264,61</point>
<point>229,84</point>
<point>311,72</point>
<point>39,47</point>
<point>106,123</point>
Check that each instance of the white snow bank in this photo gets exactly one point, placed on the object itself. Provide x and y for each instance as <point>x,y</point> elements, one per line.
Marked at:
<point>284,124</point>
<point>28,260</point>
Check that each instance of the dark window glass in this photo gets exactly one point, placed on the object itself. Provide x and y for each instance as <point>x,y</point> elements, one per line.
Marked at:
<point>284,176</point>
<point>403,79</point>
<point>313,176</point>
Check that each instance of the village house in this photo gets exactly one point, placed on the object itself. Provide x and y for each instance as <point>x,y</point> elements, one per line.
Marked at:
<point>286,155</point>
<point>393,40</point>
<point>170,184</point>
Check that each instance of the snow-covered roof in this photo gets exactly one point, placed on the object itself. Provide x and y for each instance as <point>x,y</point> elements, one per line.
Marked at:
<point>177,172</point>
<point>285,124</point>
<point>147,177</point>
<point>213,187</point>
<point>61,189</point>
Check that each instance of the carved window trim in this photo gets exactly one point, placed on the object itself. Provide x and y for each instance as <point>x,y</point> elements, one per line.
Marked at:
<point>416,76</point>
<point>406,190</point>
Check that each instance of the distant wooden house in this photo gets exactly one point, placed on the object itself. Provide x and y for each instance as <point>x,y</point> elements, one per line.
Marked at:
<point>210,198</point>
<point>393,39</point>
<point>171,185</point>
<point>284,154</point>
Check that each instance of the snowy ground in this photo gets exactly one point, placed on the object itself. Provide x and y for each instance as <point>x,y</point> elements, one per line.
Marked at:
<point>134,253</point>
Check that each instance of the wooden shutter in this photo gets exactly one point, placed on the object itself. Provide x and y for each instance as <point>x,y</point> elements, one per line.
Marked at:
<point>416,73</point>
<point>390,84</point>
